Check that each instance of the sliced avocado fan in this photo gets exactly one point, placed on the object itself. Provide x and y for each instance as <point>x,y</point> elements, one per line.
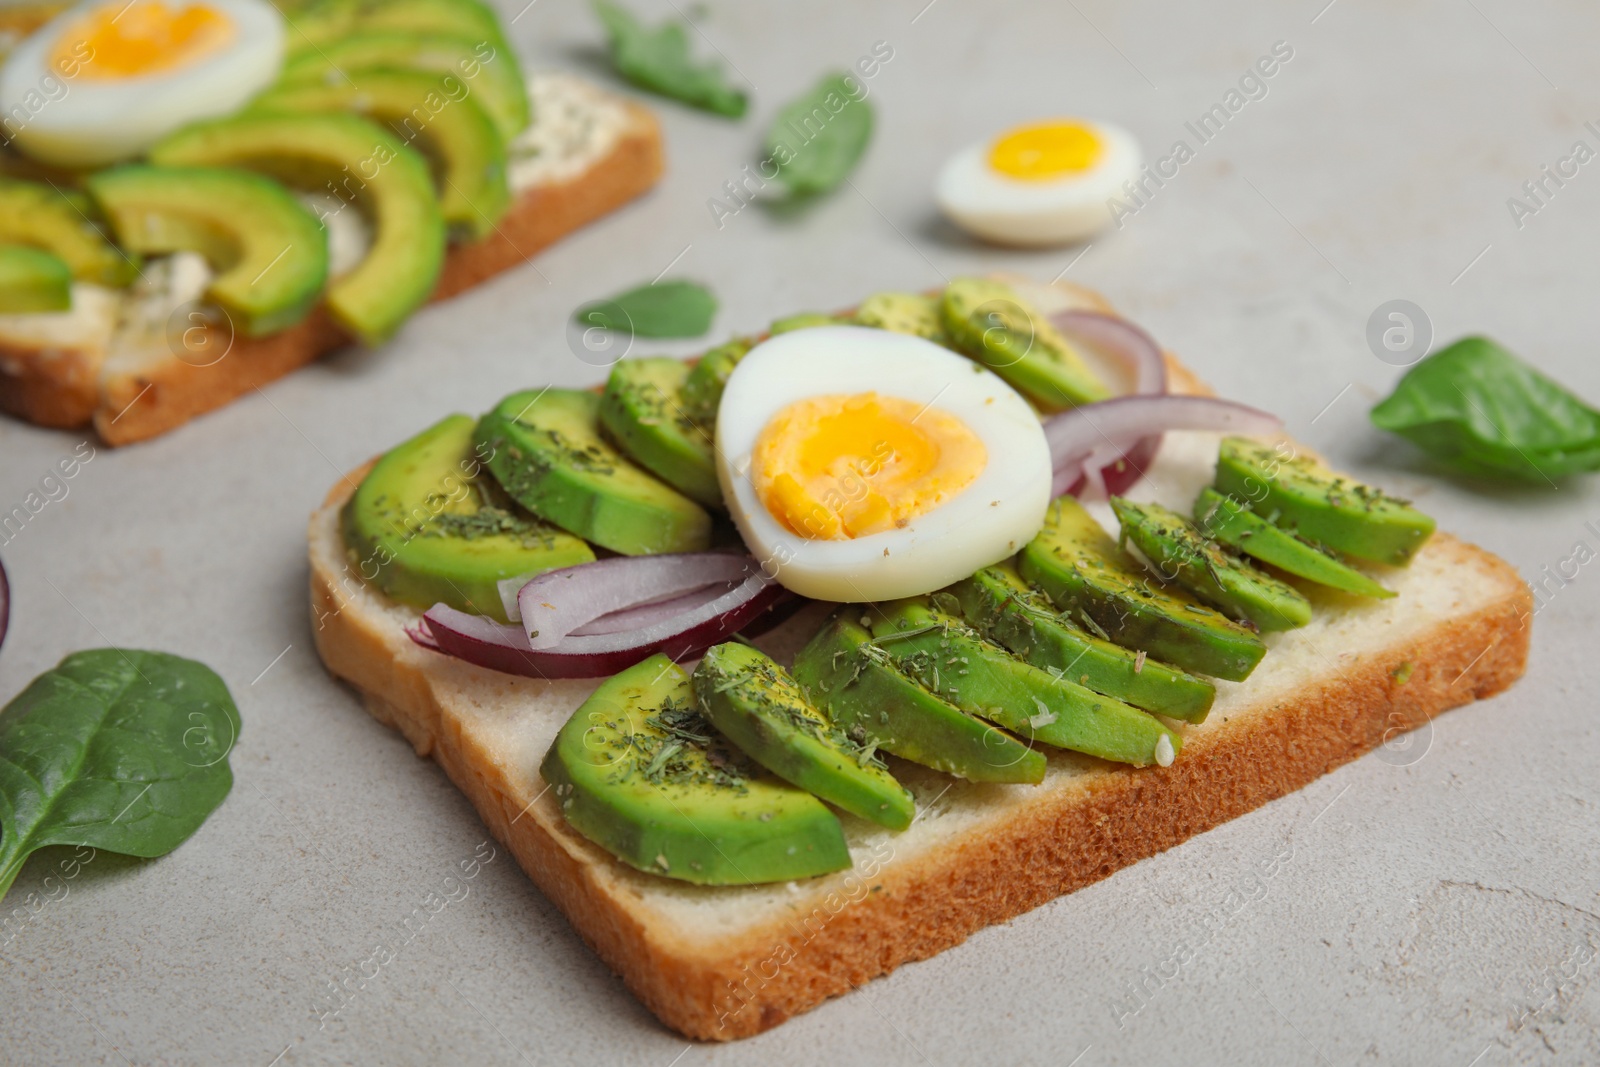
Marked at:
<point>269,251</point>
<point>359,162</point>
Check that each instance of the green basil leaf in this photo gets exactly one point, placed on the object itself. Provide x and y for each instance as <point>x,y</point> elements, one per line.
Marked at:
<point>1480,410</point>
<point>119,750</point>
<point>817,139</point>
<point>664,309</point>
<point>658,60</point>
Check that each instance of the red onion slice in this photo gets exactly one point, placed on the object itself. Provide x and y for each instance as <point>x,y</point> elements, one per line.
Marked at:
<point>1114,472</point>
<point>504,647</point>
<point>556,603</point>
<point>1084,440</point>
<point>652,613</point>
<point>5,603</point>
<point>1122,339</point>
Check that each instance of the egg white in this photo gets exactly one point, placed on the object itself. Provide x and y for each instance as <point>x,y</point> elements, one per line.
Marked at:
<point>79,122</point>
<point>1039,212</point>
<point>993,517</point>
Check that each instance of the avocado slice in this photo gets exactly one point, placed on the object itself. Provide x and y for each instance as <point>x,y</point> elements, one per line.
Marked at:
<point>1083,572</point>
<point>953,661</point>
<point>60,223</point>
<point>640,772</point>
<point>312,24</point>
<point>33,280</point>
<point>989,322</point>
<point>910,313</point>
<point>1301,495</point>
<point>802,321</point>
<point>544,447</point>
<point>427,525</point>
<point>643,411</point>
<point>358,161</point>
<point>1235,525</point>
<point>454,18</point>
<point>760,708</point>
<point>702,389</point>
<point>269,252</point>
<point>1006,610</point>
<point>490,70</point>
<point>458,137</point>
<point>1180,553</point>
<point>856,684</point>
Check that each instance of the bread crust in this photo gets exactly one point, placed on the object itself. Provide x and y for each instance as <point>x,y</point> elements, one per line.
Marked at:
<point>1059,839</point>
<point>67,390</point>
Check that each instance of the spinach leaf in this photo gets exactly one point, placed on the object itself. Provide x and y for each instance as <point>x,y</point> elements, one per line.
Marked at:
<point>816,139</point>
<point>1479,409</point>
<point>663,309</point>
<point>125,751</point>
<point>658,60</point>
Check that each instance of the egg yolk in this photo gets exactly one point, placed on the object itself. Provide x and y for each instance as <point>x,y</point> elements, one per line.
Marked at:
<point>840,466</point>
<point>125,40</point>
<point>1046,150</point>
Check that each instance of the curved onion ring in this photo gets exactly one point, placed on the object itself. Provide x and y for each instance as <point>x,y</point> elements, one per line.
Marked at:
<point>557,603</point>
<point>504,647</point>
<point>1083,441</point>
<point>1121,338</point>
<point>636,618</point>
<point>1114,472</point>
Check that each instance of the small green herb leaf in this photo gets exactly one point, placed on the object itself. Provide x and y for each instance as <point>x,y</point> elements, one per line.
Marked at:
<point>817,139</point>
<point>665,309</point>
<point>658,60</point>
<point>125,751</point>
<point>1479,409</point>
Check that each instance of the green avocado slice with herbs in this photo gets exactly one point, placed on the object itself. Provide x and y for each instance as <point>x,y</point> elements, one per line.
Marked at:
<point>357,161</point>
<point>989,322</point>
<point>910,313</point>
<point>643,411</point>
<point>702,389</point>
<point>953,661</point>
<point>312,24</point>
<point>1235,525</point>
<point>428,525</point>
<point>437,115</point>
<point>639,771</point>
<point>1301,495</point>
<point>1088,578</point>
<point>38,216</point>
<point>485,65</point>
<point>802,320</point>
<point>1008,611</point>
<point>544,447</point>
<point>1182,554</point>
<point>856,684</point>
<point>452,18</point>
<point>760,708</point>
<point>32,280</point>
<point>269,252</point>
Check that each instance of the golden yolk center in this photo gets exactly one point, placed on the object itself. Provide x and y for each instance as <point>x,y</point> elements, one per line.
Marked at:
<point>1046,150</point>
<point>840,466</point>
<point>121,40</point>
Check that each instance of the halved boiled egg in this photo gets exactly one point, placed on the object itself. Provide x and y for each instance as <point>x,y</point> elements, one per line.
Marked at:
<point>1041,184</point>
<point>107,79</point>
<point>860,464</point>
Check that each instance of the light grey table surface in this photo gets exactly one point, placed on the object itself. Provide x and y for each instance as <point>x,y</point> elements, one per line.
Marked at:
<point>1436,904</point>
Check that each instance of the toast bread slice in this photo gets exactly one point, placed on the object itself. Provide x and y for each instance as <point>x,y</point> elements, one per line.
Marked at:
<point>727,962</point>
<point>128,396</point>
